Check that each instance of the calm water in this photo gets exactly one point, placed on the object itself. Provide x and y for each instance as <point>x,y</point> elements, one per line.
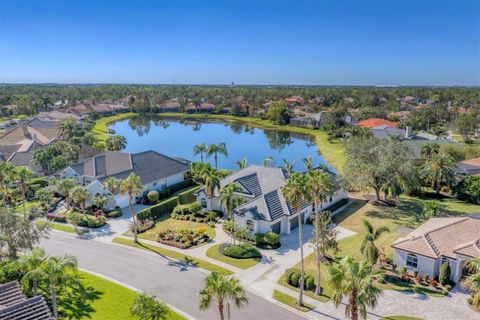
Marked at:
<point>177,137</point>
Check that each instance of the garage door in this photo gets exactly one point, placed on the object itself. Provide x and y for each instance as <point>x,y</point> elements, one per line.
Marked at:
<point>277,227</point>
<point>294,222</point>
<point>121,201</point>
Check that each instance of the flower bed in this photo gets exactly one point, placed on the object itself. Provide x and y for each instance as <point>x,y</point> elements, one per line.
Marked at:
<point>193,212</point>
<point>183,238</point>
<point>57,217</point>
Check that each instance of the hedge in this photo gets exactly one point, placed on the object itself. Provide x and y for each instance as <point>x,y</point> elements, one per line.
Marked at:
<point>337,205</point>
<point>167,192</point>
<point>187,196</point>
<point>242,251</point>
<point>155,211</point>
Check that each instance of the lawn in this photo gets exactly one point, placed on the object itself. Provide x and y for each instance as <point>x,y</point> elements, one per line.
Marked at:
<point>213,253</point>
<point>106,300</point>
<point>397,219</point>
<point>290,301</point>
<point>399,318</point>
<point>100,130</point>
<point>62,227</point>
<point>174,255</point>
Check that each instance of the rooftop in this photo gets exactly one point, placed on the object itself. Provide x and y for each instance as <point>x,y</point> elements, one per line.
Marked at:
<point>376,122</point>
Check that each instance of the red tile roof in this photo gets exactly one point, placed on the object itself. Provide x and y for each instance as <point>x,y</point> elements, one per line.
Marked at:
<point>376,122</point>
<point>294,99</point>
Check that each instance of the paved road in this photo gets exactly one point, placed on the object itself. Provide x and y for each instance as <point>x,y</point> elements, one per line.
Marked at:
<point>161,276</point>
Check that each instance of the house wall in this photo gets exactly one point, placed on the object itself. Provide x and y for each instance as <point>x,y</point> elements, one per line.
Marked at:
<point>337,196</point>
<point>97,188</point>
<point>425,265</point>
<point>169,181</point>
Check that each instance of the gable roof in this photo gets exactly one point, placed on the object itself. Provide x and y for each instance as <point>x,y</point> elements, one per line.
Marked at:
<point>376,122</point>
<point>443,237</point>
<point>469,166</point>
<point>384,131</point>
<point>14,305</point>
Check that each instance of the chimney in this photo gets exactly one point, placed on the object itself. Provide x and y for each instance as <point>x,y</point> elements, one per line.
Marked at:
<point>408,132</point>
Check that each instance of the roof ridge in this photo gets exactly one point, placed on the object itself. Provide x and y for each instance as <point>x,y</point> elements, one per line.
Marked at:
<point>457,220</point>
<point>432,244</point>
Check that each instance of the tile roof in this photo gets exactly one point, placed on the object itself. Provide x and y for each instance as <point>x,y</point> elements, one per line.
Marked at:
<point>15,306</point>
<point>384,131</point>
<point>469,167</point>
<point>376,122</point>
<point>443,237</point>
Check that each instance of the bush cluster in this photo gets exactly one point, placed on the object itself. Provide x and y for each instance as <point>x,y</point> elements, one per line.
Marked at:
<point>114,213</point>
<point>269,240</point>
<point>155,211</point>
<point>190,208</point>
<point>167,192</point>
<point>143,225</point>
<point>182,238</point>
<point>242,251</point>
<point>92,222</point>
<point>293,276</point>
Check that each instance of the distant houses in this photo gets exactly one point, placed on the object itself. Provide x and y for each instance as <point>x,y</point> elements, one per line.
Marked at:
<point>377,122</point>
<point>469,167</point>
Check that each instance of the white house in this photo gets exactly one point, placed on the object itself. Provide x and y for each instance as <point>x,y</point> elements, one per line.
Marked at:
<point>452,240</point>
<point>264,208</point>
<point>155,170</point>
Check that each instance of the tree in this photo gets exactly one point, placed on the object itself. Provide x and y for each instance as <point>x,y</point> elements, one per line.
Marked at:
<point>279,112</point>
<point>64,186</point>
<point>321,187</point>
<point>227,197</point>
<point>439,168</point>
<point>216,149</point>
<point>444,274</point>
<point>211,181</point>
<point>468,189</point>
<point>31,264</point>
<point>357,282</point>
<point>99,201</point>
<point>466,124</point>
<point>23,175</point>
<point>368,248</point>
<point>132,185</point>
<point>295,192</point>
<point>147,307</point>
<point>288,166</point>
<point>45,195</point>
<point>116,143</point>
<point>472,282</point>
<point>241,164</point>
<point>200,149</point>
<point>220,289</point>
<point>74,218</point>
<point>58,271</point>
<point>69,128</point>
<point>7,175</point>
<point>429,150</point>
<point>79,195</point>
<point>432,208</point>
<point>112,184</point>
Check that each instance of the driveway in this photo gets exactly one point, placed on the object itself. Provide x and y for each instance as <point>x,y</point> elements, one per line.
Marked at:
<point>171,281</point>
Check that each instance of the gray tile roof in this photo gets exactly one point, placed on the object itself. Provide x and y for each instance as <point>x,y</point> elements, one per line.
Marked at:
<point>384,131</point>
<point>15,306</point>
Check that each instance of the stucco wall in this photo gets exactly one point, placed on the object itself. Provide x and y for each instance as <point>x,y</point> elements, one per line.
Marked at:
<point>425,265</point>
<point>169,181</point>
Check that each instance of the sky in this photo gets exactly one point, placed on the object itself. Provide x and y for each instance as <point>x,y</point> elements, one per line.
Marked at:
<point>297,42</point>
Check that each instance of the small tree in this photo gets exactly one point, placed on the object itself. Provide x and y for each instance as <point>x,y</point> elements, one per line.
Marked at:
<point>74,218</point>
<point>147,307</point>
<point>368,247</point>
<point>445,272</point>
<point>153,196</point>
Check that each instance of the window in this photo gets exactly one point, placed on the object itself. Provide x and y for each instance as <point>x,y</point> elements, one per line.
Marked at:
<point>412,261</point>
<point>250,225</point>
<point>203,202</point>
<point>330,199</point>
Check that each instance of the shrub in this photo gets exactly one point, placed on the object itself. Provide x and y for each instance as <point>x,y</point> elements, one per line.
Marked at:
<point>143,225</point>
<point>155,211</point>
<point>201,230</point>
<point>92,222</point>
<point>242,251</point>
<point>114,213</point>
<point>337,205</point>
<point>293,277</point>
<point>181,238</point>
<point>211,224</point>
<point>187,196</point>
<point>444,276</point>
<point>426,277</point>
<point>309,283</point>
<point>271,238</point>
<point>403,270</point>
<point>415,273</point>
<point>190,208</point>
<point>445,292</point>
<point>469,189</point>
<point>153,196</point>
<point>448,287</point>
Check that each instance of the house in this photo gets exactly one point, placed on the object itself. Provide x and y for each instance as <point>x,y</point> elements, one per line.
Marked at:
<point>384,131</point>
<point>439,240</point>
<point>204,107</point>
<point>84,108</point>
<point>169,106</point>
<point>295,99</point>
<point>376,122</point>
<point>264,208</point>
<point>57,116</point>
<point>15,305</point>
<point>312,121</point>
<point>469,167</point>
<point>155,170</point>
<point>415,142</point>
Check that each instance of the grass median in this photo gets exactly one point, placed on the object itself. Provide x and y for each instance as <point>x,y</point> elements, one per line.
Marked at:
<point>214,253</point>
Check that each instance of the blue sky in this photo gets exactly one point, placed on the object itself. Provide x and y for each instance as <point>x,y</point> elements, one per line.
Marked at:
<point>405,42</point>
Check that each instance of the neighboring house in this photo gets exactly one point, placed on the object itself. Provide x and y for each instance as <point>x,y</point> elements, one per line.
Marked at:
<point>155,170</point>
<point>264,208</point>
<point>57,116</point>
<point>204,107</point>
<point>415,142</point>
<point>377,122</point>
<point>15,305</point>
<point>296,99</point>
<point>452,240</point>
<point>312,121</point>
<point>84,108</point>
<point>384,131</point>
<point>470,167</point>
<point>169,106</point>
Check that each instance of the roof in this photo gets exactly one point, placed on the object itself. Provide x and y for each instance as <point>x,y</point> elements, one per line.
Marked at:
<point>148,165</point>
<point>376,122</point>
<point>384,131</point>
<point>443,237</point>
<point>14,305</point>
<point>294,99</point>
<point>469,167</point>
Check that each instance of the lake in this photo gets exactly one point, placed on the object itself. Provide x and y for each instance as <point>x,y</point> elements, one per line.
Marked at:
<point>177,137</point>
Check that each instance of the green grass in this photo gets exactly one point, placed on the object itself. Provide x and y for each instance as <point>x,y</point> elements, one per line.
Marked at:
<point>28,205</point>
<point>106,300</point>
<point>213,253</point>
<point>290,301</point>
<point>333,152</point>
<point>174,255</point>
<point>62,227</point>
<point>400,318</point>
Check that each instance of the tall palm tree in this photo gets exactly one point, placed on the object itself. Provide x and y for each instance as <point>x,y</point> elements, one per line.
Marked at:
<point>147,307</point>
<point>23,175</point>
<point>211,181</point>
<point>112,184</point>
<point>241,164</point>
<point>132,185</point>
<point>7,175</point>
<point>437,168</point>
<point>227,197</point>
<point>368,248</point>
<point>32,264</point>
<point>308,162</point>
<point>79,195</point>
<point>58,270</point>
<point>321,187</point>
<point>200,149</point>
<point>220,289</point>
<point>216,149</point>
<point>64,186</point>
<point>288,166</point>
<point>295,192</point>
<point>357,282</point>
<point>472,282</point>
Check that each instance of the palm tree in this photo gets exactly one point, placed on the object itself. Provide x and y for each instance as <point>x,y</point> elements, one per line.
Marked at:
<point>147,307</point>
<point>295,192</point>
<point>308,162</point>
<point>68,128</point>
<point>211,181</point>
<point>100,201</point>
<point>7,174</point>
<point>220,289</point>
<point>23,175</point>
<point>241,164</point>
<point>472,282</point>
<point>368,248</point>
<point>116,143</point>
<point>288,166</point>
<point>429,150</point>
<point>357,282</point>
<point>132,185</point>
<point>266,160</point>
<point>112,184</point>
<point>227,196</point>
<point>216,149</point>
<point>200,149</point>
<point>64,186</point>
<point>321,187</point>
<point>437,168</point>
<point>58,270</point>
<point>79,195</point>
<point>32,264</point>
